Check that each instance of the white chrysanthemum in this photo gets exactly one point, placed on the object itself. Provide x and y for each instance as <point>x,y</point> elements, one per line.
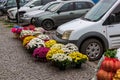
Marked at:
<point>68,48</point>
<point>39,29</point>
<point>35,42</point>
<point>37,33</point>
<point>43,37</point>
<point>61,57</point>
<point>26,33</point>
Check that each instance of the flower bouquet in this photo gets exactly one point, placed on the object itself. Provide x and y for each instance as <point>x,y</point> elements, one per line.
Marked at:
<point>40,53</point>
<point>16,30</point>
<point>61,60</point>
<point>25,33</point>
<point>57,45</point>
<point>29,27</point>
<point>35,43</point>
<point>40,30</point>
<point>78,58</point>
<point>44,37</point>
<point>50,43</point>
<point>68,48</point>
<point>27,40</point>
<point>53,51</point>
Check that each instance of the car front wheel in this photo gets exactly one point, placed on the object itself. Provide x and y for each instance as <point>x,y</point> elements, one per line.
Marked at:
<point>93,48</point>
<point>48,25</point>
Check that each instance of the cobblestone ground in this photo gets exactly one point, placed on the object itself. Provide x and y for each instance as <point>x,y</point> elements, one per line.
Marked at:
<point>17,64</point>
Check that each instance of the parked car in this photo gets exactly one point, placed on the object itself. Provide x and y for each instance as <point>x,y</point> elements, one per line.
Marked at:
<point>65,11</point>
<point>30,6</point>
<point>7,4</point>
<point>29,15</point>
<point>97,31</point>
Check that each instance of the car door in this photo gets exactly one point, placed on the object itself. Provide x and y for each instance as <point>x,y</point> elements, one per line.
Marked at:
<point>81,8</point>
<point>64,14</point>
<point>113,28</point>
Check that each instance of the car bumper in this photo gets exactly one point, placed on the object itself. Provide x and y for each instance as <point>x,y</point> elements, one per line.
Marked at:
<point>55,37</point>
<point>26,20</point>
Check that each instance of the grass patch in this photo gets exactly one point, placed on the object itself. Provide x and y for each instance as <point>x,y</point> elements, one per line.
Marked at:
<point>6,23</point>
<point>1,20</point>
<point>10,25</point>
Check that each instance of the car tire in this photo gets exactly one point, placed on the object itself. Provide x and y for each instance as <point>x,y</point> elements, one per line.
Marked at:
<point>31,21</point>
<point>1,13</point>
<point>48,24</point>
<point>93,48</point>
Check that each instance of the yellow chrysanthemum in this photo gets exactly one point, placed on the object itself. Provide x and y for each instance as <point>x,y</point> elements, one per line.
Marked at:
<point>27,40</point>
<point>77,56</point>
<point>57,45</point>
<point>53,51</point>
<point>50,43</point>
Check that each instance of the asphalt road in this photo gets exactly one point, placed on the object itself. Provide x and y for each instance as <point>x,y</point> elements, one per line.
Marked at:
<point>17,64</point>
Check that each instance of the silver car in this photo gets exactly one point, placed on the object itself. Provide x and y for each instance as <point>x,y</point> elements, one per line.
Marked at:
<point>63,12</point>
<point>28,16</point>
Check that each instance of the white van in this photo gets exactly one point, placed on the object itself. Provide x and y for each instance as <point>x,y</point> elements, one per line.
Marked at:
<point>95,32</point>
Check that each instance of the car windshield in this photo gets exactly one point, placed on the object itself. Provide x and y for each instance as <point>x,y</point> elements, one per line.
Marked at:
<point>31,3</point>
<point>99,10</point>
<point>45,6</point>
<point>52,6</point>
<point>55,7</point>
<point>49,6</point>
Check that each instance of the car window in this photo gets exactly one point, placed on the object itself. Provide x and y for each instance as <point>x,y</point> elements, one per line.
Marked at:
<point>114,17</point>
<point>82,5</point>
<point>22,2</point>
<point>67,7</point>
<point>32,2</point>
<point>89,5</point>
<point>43,2</point>
<point>11,3</point>
<point>37,3</point>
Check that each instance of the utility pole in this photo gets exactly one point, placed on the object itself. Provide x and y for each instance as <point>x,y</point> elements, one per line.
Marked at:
<point>18,7</point>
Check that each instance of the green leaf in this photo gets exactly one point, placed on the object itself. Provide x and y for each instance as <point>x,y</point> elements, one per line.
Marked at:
<point>111,53</point>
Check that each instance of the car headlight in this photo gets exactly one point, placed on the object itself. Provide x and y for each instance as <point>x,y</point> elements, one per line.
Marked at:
<point>66,34</point>
<point>11,11</point>
<point>26,16</point>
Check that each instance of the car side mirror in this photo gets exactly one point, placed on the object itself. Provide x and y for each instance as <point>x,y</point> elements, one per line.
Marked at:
<point>111,18</point>
<point>58,11</point>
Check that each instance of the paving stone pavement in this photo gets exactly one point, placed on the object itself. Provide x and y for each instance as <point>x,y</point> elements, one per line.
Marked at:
<point>17,64</point>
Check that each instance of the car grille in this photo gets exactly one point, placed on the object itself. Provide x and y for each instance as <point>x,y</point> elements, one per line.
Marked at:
<point>59,35</point>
